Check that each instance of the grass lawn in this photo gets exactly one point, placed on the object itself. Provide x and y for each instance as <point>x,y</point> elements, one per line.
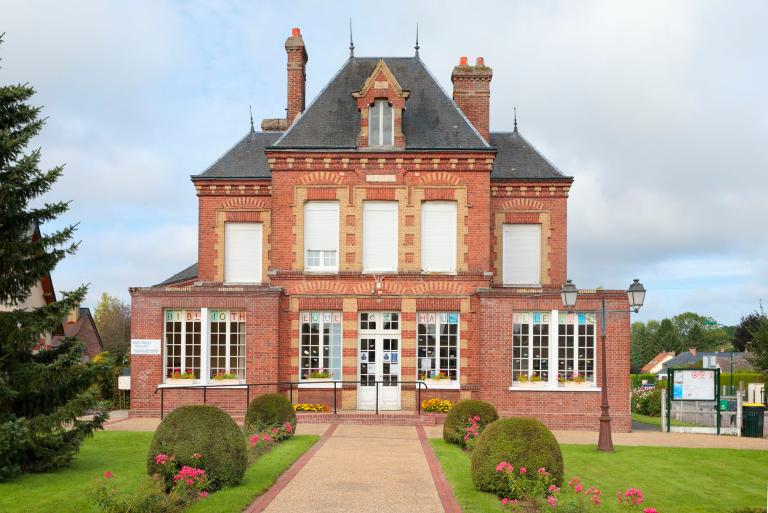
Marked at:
<point>124,454</point>
<point>673,480</point>
<point>656,421</point>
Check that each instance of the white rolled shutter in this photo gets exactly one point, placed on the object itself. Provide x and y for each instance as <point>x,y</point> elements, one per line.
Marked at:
<point>438,236</point>
<point>242,252</point>
<point>522,254</point>
<point>380,236</point>
<point>321,227</point>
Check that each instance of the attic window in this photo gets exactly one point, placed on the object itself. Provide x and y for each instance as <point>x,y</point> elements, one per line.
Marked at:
<point>381,124</point>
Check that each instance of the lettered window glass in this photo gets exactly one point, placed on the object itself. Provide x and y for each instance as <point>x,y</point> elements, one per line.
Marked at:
<point>438,345</point>
<point>320,345</point>
<point>576,347</point>
<point>530,347</point>
<point>182,344</point>
<point>227,348</point>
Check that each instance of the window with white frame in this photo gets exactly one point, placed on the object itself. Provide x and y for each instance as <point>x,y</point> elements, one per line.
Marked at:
<point>320,348</point>
<point>438,346</point>
<point>227,349</point>
<point>182,344</point>
<point>530,347</point>
<point>521,254</point>
<point>576,348</point>
<point>321,236</point>
<point>438,236</point>
<point>381,125</point>
<point>242,252</point>
<point>380,236</point>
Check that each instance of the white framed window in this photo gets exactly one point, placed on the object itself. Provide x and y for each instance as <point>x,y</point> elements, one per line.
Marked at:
<point>227,349</point>
<point>438,236</point>
<point>521,254</point>
<point>321,236</point>
<point>576,347</point>
<point>381,124</point>
<point>242,252</point>
<point>530,347</point>
<point>320,348</point>
<point>182,344</point>
<point>380,236</point>
<point>437,346</point>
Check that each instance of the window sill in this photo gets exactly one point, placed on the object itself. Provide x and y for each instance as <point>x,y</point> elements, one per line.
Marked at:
<point>522,285</point>
<point>554,389</point>
<point>310,384</point>
<point>321,271</point>
<point>201,385</point>
<point>436,385</point>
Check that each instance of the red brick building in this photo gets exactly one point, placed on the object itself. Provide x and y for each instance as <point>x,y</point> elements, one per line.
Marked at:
<point>381,236</point>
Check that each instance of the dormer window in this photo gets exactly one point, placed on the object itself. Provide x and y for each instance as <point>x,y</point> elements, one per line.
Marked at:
<point>381,124</point>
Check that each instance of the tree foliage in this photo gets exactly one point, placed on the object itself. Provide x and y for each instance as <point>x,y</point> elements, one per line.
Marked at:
<point>742,335</point>
<point>757,346</point>
<point>43,394</point>
<point>113,319</point>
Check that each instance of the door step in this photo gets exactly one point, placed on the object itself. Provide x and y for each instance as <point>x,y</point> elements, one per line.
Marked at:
<point>392,418</point>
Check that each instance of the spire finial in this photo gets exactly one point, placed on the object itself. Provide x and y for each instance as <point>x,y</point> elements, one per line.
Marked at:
<point>251,112</point>
<point>351,44</point>
<point>515,109</point>
<point>417,40</point>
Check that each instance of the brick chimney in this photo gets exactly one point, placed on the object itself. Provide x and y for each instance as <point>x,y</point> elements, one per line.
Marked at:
<point>297,74</point>
<point>692,350</point>
<point>472,92</point>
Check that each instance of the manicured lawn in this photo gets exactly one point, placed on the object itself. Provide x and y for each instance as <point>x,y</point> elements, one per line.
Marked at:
<point>673,480</point>
<point>656,421</point>
<point>124,454</point>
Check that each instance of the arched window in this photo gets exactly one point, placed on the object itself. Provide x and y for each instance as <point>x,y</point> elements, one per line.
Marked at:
<point>380,124</point>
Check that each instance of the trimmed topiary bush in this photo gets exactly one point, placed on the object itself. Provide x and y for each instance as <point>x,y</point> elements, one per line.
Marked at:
<point>520,441</point>
<point>268,411</point>
<point>204,437</point>
<point>456,421</point>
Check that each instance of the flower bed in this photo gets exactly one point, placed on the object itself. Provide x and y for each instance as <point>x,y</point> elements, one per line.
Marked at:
<point>266,440</point>
<point>311,407</point>
<point>436,405</point>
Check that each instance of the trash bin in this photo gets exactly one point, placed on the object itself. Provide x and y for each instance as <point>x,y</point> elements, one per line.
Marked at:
<point>752,421</point>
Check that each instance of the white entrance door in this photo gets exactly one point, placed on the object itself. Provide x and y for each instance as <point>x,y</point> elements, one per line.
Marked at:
<point>379,361</point>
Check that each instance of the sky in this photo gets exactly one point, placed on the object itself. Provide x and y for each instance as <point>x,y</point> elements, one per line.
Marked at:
<point>658,109</point>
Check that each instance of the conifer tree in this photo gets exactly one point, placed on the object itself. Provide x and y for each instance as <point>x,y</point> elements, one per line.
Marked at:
<point>43,394</point>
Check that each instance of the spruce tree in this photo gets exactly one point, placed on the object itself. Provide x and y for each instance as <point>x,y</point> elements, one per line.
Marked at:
<point>43,394</point>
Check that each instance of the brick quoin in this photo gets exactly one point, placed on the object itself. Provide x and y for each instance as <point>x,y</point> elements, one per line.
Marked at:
<point>409,178</point>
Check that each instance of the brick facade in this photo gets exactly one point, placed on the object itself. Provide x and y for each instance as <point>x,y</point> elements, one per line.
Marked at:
<point>484,307</point>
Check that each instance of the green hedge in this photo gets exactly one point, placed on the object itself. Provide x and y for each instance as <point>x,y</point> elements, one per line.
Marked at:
<point>268,411</point>
<point>205,430</point>
<point>455,425</point>
<point>746,377</point>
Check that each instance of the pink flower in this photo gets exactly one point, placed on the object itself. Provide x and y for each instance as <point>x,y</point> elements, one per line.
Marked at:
<point>161,458</point>
<point>267,438</point>
<point>255,439</point>
<point>552,500</point>
<point>505,501</point>
<point>476,418</point>
<point>197,456</point>
<point>553,489</point>
<point>650,510</point>
<point>523,470</point>
<point>107,475</point>
<point>504,466</point>
<point>203,494</point>
<point>288,427</point>
<point>578,488</point>
<point>275,431</point>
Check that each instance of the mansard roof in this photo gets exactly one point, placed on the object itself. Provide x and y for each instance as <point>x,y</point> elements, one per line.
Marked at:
<point>516,158</point>
<point>246,159</point>
<point>431,119</point>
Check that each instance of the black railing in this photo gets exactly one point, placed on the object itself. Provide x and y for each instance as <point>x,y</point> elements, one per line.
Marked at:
<point>290,385</point>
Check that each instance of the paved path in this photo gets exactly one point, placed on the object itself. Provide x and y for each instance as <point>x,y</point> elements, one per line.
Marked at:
<point>362,468</point>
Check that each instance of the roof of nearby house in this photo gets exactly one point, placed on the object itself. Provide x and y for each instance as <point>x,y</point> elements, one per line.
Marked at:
<point>431,121</point>
<point>656,360</point>
<point>246,159</point>
<point>188,274</point>
<point>84,328</point>
<point>686,358</point>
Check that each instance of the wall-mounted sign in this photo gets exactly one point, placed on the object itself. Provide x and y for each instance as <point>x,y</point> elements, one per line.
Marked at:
<point>145,346</point>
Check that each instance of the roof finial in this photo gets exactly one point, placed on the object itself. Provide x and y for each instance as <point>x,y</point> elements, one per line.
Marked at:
<point>251,112</point>
<point>417,40</point>
<point>515,109</point>
<point>351,44</point>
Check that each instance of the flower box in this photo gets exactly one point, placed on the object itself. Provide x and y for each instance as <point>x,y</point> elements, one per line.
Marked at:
<point>234,381</point>
<point>530,384</point>
<point>578,384</point>
<point>180,381</point>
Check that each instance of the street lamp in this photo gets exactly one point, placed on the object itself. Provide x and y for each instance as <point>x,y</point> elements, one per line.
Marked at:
<point>636,295</point>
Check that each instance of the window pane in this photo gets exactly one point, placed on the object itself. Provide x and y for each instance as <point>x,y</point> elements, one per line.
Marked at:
<point>374,125</point>
<point>386,124</point>
<point>320,344</point>
<point>438,345</point>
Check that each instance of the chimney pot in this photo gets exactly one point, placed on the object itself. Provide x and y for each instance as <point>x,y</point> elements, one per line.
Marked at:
<point>692,350</point>
<point>480,62</point>
<point>295,32</point>
<point>463,60</point>
<point>472,93</point>
<point>297,75</point>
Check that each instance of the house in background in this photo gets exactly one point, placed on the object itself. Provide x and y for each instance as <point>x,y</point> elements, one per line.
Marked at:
<point>81,325</point>
<point>381,246</point>
<point>708,360</point>
<point>654,366</point>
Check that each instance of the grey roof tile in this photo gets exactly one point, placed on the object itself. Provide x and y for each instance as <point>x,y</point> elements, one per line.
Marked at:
<point>516,158</point>
<point>246,159</point>
<point>431,119</point>
<point>190,273</point>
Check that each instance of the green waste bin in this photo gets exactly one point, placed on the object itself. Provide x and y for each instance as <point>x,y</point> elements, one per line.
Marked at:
<point>752,420</point>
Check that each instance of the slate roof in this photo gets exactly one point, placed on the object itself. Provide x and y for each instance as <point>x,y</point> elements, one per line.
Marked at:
<point>516,158</point>
<point>246,159</point>
<point>431,120</point>
<point>685,358</point>
<point>190,273</point>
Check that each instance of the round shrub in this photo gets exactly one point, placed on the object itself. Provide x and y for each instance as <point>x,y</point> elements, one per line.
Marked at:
<point>268,411</point>
<point>520,441</point>
<point>201,430</point>
<point>457,419</point>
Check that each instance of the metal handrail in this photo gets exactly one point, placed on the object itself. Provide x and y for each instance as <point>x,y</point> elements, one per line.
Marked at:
<point>290,385</point>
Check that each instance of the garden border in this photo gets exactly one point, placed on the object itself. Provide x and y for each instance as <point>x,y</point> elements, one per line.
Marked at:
<point>444,490</point>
